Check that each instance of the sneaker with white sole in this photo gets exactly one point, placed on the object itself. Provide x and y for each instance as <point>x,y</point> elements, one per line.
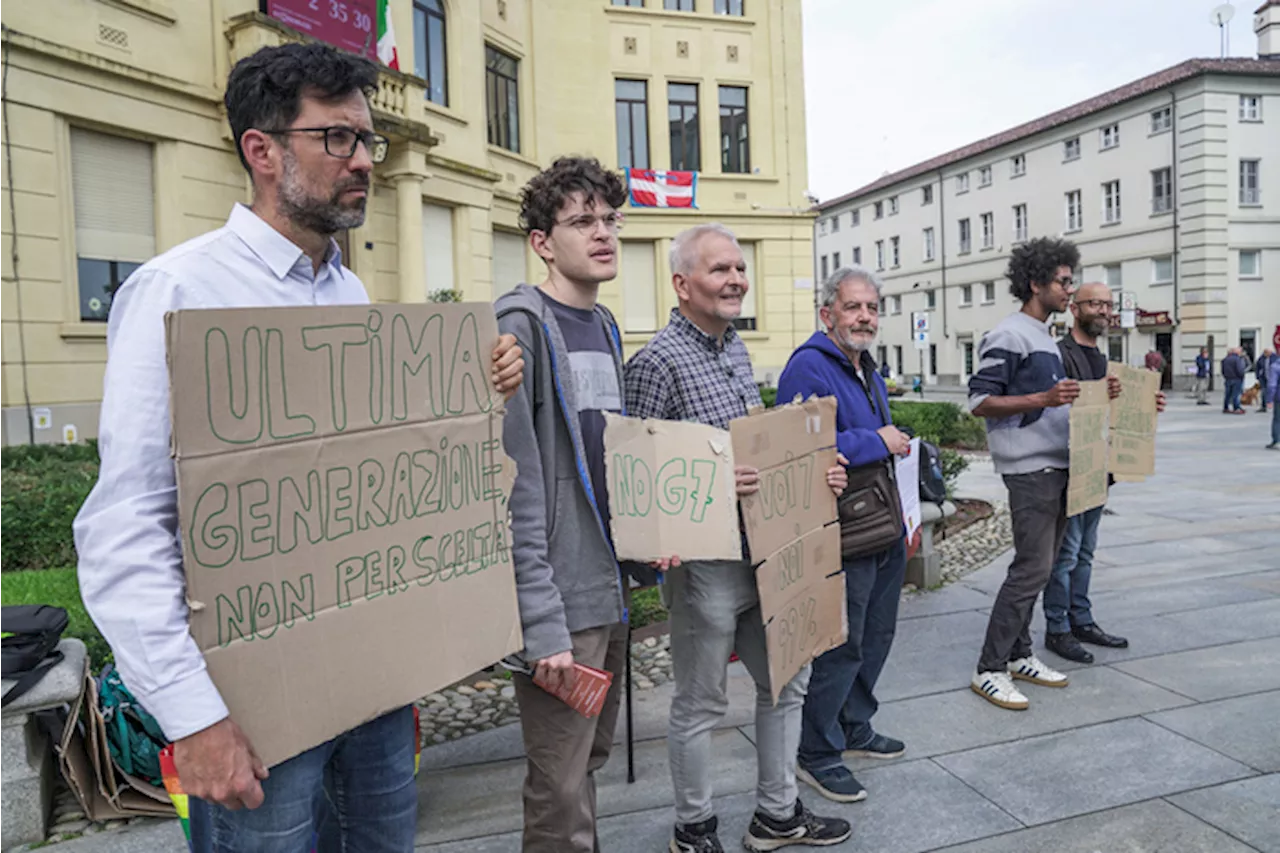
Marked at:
<point>997,688</point>
<point>1032,669</point>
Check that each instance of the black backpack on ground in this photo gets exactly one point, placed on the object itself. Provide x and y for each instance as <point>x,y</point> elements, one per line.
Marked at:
<point>29,648</point>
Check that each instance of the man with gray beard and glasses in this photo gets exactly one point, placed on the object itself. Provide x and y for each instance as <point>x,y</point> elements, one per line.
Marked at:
<point>841,699</point>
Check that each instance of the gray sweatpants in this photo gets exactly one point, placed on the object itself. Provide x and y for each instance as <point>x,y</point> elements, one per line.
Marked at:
<point>1038,505</point>
<point>715,611</point>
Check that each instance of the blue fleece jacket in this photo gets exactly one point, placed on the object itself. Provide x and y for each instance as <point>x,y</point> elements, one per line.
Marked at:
<point>821,368</point>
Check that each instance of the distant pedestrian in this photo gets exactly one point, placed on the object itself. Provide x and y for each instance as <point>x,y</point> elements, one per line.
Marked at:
<point>1233,368</point>
<point>1273,389</point>
<point>1204,368</point>
<point>1154,361</point>
<point>1260,369</point>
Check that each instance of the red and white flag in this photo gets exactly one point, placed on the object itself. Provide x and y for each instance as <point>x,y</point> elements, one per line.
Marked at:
<point>656,188</point>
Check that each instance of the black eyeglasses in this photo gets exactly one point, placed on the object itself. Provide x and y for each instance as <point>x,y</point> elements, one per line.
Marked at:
<point>341,141</point>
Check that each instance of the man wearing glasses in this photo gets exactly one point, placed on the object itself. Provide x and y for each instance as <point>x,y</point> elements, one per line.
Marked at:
<point>698,369</point>
<point>1022,389</point>
<point>303,130</point>
<point>571,595</point>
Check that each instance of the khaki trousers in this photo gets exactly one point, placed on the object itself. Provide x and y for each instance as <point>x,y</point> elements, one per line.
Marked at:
<point>565,749</point>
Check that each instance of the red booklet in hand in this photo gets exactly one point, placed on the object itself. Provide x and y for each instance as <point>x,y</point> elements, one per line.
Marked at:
<point>588,691</point>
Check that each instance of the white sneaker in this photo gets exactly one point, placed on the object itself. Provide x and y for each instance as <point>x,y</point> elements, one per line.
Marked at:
<point>997,688</point>
<point>1033,669</point>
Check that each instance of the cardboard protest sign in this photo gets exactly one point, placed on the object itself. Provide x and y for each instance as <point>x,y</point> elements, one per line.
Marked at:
<point>794,532</point>
<point>1133,423</point>
<point>671,490</point>
<point>342,491</point>
<point>1087,477</point>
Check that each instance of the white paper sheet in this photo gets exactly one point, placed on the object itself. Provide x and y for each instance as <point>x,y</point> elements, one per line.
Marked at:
<point>909,487</point>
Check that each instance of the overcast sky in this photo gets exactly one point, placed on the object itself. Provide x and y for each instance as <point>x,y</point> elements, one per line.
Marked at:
<point>889,83</point>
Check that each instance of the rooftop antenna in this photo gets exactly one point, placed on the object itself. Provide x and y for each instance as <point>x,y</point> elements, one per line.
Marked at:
<point>1220,17</point>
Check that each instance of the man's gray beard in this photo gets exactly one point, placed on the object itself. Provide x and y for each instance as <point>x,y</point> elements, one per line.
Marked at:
<point>306,211</point>
<point>847,342</point>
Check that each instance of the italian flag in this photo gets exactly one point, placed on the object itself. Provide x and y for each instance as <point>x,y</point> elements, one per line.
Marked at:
<point>387,37</point>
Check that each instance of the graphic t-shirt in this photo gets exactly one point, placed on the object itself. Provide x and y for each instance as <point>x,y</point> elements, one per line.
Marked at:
<point>595,379</point>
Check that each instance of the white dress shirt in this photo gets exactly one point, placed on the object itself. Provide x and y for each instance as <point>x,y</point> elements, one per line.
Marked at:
<point>126,533</point>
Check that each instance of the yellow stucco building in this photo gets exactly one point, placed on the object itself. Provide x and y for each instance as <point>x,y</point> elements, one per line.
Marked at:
<point>117,148</point>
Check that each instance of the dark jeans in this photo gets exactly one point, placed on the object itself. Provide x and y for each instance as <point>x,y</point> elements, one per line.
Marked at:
<point>1231,394</point>
<point>1275,422</point>
<point>1038,504</point>
<point>841,698</point>
<point>1066,598</point>
<point>356,792</point>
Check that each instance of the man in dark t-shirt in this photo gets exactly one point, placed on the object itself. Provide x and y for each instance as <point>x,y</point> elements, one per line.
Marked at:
<point>1067,611</point>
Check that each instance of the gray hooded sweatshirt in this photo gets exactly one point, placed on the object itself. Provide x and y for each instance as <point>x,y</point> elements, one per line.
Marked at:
<point>567,578</point>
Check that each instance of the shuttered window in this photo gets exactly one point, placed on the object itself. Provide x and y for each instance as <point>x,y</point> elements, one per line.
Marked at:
<point>639,287</point>
<point>437,242</point>
<point>508,261</point>
<point>114,193</point>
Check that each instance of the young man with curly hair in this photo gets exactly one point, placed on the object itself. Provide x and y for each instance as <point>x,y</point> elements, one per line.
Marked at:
<point>1022,389</point>
<point>569,587</point>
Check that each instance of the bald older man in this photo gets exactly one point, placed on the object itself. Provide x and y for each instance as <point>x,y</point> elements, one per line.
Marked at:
<point>1067,610</point>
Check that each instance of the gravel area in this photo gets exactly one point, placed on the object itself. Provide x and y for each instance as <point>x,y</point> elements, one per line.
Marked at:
<point>976,545</point>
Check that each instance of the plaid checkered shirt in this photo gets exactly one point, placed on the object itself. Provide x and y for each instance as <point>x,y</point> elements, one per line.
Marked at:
<point>684,374</point>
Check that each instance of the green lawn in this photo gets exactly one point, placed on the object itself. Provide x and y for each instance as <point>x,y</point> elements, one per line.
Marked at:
<point>60,588</point>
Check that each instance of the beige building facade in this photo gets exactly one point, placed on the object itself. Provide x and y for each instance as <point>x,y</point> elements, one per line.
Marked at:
<point>1170,187</point>
<point>118,148</point>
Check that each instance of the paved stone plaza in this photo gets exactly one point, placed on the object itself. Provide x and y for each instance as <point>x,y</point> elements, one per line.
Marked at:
<point>1171,745</point>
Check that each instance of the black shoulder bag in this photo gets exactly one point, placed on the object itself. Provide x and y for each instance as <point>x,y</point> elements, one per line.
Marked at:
<point>29,648</point>
<point>869,509</point>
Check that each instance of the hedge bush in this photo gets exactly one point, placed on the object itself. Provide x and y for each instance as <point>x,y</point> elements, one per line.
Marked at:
<point>41,489</point>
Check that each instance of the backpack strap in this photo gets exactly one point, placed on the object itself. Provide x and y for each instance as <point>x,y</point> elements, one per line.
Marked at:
<point>31,677</point>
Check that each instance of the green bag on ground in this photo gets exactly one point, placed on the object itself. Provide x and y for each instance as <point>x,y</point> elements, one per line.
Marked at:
<point>133,735</point>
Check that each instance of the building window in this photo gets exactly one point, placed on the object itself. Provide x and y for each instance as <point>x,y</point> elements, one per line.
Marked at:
<point>1250,108</point>
<point>631,111</point>
<point>854,218</point>
<point>1250,189</point>
<point>988,292</point>
<point>1112,276</point>
<point>897,359</point>
<point>881,310</point>
<point>931,299</point>
<point>984,176</point>
<point>1109,137</point>
<point>678,5</point>
<point>729,7</point>
<point>856,255</point>
<point>933,359</point>
<point>429,56</point>
<point>966,294</point>
<point>746,320</point>
<point>634,4</point>
<point>879,254</point>
<point>1071,149</point>
<point>1018,165</point>
<point>835,260</point>
<point>822,264</point>
<point>895,253</point>
<point>928,244</point>
<point>682,114</point>
<point>926,194</point>
<point>966,242</point>
<point>1251,264</point>
<point>962,183</point>
<point>893,205</point>
<point>1075,211</point>
<point>1162,270</point>
<point>896,302</point>
<point>1161,190</point>
<point>835,223</point>
<point>502,93</point>
<point>822,227</point>
<point>968,358</point>
<point>882,354</point>
<point>508,261</point>
<point>879,210</point>
<point>988,230</point>
<point>1019,223</point>
<point>1111,202</point>
<point>1161,119</point>
<point>639,286</point>
<point>113,187</point>
<point>735,152</point>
